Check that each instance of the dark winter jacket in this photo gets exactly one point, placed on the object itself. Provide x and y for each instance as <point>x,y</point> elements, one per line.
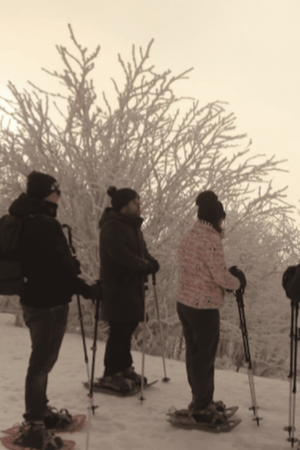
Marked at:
<point>124,266</point>
<point>292,282</point>
<point>46,260</point>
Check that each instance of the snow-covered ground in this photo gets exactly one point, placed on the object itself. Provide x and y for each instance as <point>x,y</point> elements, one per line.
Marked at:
<point>126,423</point>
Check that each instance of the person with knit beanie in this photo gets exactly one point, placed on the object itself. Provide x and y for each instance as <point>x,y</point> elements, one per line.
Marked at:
<point>125,264</point>
<point>51,275</point>
<point>202,283</point>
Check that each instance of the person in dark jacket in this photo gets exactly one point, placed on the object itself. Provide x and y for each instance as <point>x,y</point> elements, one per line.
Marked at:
<point>291,283</point>
<point>125,263</point>
<point>51,279</point>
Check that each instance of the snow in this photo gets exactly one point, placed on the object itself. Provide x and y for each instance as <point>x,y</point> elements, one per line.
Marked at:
<point>128,423</point>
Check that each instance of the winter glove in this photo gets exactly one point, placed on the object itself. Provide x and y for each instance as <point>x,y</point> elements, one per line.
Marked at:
<point>239,274</point>
<point>153,266</point>
<point>96,291</point>
<point>77,265</point>
<point>82,288</point>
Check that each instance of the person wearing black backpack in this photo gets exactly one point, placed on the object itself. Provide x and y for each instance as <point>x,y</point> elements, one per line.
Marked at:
<point>51,278</point>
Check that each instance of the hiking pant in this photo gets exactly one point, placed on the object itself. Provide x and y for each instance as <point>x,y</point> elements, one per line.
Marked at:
<point>201,331</point>
<point>117,355</point>
<point>47,328</point>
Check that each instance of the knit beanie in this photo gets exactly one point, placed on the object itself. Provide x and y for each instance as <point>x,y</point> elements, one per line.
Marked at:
<point>210,208</point>
<point>121,197</point>
<point>40,185</point>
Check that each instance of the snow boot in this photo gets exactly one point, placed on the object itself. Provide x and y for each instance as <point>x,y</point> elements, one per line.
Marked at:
<point>118,382</point>
<point>209,415</point>
<point>34,435</point>
<point>219,406</point>
<point>55,419</point>
<point>132,375</point>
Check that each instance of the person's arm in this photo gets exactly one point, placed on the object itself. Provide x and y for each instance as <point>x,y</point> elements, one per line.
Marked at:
<point>52,249</point>
<point>214,258</point>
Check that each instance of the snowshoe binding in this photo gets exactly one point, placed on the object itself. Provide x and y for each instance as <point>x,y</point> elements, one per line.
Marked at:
<point>57,420</point>
<point>116,382</point>
<point>218,406</point>
<point>135,377</point>
<point>34,435</point>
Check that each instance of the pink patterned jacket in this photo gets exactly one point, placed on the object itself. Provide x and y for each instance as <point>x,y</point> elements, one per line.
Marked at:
<point>203,277</point>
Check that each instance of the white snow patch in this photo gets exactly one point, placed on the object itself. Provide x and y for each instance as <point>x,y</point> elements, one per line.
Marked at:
<point>126,423</point>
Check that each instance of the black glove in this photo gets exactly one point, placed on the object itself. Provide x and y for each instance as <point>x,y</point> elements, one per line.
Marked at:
<point>77,265</point>
<point>96,291</point>
<point>239,274</point>
<point>153,266</point>
<point>288,275</point>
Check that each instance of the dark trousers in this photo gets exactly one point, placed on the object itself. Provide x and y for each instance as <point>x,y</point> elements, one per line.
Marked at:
<point>117,355</point>
<point>201,331</point>
<point>47,328</point>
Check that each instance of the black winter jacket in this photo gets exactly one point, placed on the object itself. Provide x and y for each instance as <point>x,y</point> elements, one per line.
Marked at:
<point>46,260</point>
<point>123,266</point>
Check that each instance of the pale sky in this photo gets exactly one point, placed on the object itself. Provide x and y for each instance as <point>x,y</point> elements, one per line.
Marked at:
<point>244,52</point>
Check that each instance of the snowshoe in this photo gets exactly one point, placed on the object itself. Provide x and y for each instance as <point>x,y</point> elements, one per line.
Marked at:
<point>117,382</point>
<point>206,420</point>
<point>58,420</point>
<point>99,387</point>
<point>229,412</point>
<point>34,435</point>
<point>132,375</point>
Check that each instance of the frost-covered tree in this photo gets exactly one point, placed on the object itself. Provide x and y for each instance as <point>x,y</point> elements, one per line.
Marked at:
<point>168,149</point>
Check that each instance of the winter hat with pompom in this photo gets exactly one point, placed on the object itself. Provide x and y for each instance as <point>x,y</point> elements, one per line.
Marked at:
<point>210,209</point>
<point>40,185</point>
<point>121,197</point>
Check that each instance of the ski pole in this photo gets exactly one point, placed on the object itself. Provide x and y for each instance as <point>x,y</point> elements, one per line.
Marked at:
<point>80,317</point>
<point>92,407</point>
<point>294,337</point>
<point>143,353</point>
<point>240,302</point>
<point>94,350</point>
<point>160,329</point>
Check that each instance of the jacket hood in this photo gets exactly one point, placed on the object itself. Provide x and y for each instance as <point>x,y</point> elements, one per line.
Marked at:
<point>111,214</point>
<point>25,205</point>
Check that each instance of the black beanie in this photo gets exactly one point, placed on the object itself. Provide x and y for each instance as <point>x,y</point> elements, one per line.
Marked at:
<point>40,185</point>
<point>210,208</point>
<point>121,197</point>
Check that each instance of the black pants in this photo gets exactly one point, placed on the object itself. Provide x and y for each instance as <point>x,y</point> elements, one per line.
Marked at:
<point>47,328</point>
<point>201,331</point>
<point>117,356</point>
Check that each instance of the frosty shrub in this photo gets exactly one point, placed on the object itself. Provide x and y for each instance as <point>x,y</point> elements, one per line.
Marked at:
<point>167,149</point>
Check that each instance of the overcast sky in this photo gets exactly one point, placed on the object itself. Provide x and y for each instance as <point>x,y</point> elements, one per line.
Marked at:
<point>244,52</point>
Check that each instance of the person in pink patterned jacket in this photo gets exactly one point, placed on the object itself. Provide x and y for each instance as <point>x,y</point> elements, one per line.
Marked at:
<point>203,282</point>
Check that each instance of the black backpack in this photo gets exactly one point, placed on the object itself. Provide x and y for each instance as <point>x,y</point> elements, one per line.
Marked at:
<point>11,279</point>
